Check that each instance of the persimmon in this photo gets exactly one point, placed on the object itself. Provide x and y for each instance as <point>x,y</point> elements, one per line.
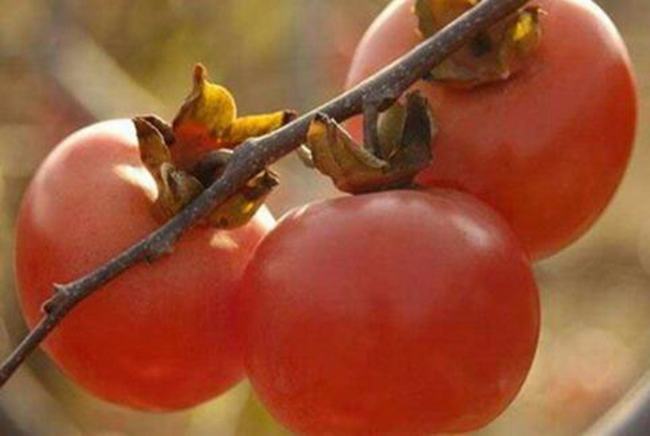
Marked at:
<point>548,145</point>
<point>158,337</point>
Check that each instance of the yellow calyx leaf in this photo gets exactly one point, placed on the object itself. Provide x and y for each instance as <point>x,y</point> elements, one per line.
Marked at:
<point>209,107</point>
<point>524,34</point>
<point>493,55</point>
<point>523,27</point>
<point>256,125</point>
<point>208,120</point>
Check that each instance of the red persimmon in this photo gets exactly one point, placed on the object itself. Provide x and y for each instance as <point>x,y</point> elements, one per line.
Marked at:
<point>391,313</point>
<point>546,148</point>
<point>159,336</point>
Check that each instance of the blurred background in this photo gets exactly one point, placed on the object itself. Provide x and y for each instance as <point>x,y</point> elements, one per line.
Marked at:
<point>67,63</point>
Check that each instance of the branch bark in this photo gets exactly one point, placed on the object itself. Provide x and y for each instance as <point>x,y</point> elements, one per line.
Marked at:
<point>254,155</point>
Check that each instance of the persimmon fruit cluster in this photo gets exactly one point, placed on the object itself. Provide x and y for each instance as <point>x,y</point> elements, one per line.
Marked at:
<point>402,312</point>
<point>416,313</point>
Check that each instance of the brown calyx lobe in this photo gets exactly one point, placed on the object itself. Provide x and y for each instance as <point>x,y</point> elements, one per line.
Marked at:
<point>492,55</point>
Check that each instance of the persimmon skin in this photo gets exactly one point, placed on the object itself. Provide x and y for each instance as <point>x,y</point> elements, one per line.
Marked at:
<point>546,148</point>
<point>158,337</point>
<point>397,313</point>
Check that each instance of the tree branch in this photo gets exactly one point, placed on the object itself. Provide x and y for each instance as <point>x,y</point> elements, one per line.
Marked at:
<point>254,155</point>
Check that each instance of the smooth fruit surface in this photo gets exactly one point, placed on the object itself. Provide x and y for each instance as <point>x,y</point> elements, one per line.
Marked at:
<point>160,335</point>
<point>546,148</point>
<point>401,313</point>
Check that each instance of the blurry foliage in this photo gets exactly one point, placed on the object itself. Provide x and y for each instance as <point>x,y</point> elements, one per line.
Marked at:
<point>66,63</point>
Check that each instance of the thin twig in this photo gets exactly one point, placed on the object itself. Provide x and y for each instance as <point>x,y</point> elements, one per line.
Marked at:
<point>255,154</point>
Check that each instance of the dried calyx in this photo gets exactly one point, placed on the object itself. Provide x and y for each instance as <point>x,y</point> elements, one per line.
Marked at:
<point>492,55</point>
<point>404,133</point>
<point>188,155</point>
